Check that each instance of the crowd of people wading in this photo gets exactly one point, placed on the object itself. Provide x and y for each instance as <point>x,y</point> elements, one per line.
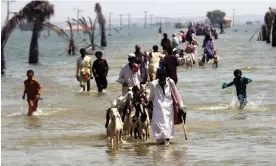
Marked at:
<point>149,96</point>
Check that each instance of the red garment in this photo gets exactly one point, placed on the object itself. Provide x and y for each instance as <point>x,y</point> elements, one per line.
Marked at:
<point>183,37</point>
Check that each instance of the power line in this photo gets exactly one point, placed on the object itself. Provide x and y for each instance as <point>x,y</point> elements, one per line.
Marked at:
<point>110,13</point>
<point>8,8</point>
<point>233,17</point>
<point>129,21</point>
<point>121,21</point>
<point>78,15</point>
<point>151,20</point>
<point>145,25</point>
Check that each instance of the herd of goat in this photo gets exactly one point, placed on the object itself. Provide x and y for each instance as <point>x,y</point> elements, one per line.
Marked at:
<point>129,115</point>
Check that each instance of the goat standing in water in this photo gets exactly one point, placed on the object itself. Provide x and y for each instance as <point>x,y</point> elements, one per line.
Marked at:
<point>115,126</point>
<point>143,122</point>
<point>202,61</point>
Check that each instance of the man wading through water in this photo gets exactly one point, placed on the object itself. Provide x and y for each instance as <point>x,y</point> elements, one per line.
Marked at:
<point>166,43</point>
<point>129,75</point>
<point>161,101</point>
<point>100,69</point>
<point>141,60</point>
<point>83,70</point>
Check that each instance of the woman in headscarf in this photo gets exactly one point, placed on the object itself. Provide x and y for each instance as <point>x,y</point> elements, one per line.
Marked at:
<point>162,123</point>
<point>175,41</point>
<point>208,47</point>
<point>154,59</point>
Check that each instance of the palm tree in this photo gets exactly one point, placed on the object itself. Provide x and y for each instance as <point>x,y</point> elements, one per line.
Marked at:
<point>37,12</point>
<point>273,11</point>
<point>268,21</point>
<point>72,47</point>
<point>101,21</point>
<point>28,12</point>
<point>89,29</point>
<point>5,34</point>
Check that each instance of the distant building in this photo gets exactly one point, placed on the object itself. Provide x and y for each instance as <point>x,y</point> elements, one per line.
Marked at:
<point>228,21</point>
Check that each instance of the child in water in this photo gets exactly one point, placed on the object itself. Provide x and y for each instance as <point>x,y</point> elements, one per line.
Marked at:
<point>33,90</point>
<point>240,83</point>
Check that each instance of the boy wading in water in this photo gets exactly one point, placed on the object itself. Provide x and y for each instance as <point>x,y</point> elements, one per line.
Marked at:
<point>100,69</point>
<point>240,83</point>
<point>33,90</point>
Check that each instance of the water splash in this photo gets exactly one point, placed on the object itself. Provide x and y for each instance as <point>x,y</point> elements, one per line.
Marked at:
<point>215,108</point>
<point>39,112</point>
<point>255,102</point>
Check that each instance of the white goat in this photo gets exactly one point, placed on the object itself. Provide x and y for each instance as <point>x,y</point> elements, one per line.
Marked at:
<point>115,126</point>
<point>189,61</point>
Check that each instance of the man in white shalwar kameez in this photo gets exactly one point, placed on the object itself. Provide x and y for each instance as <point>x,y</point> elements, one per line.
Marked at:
<point>162,123</point>
<point>127,77</point>
<point>83,67</point>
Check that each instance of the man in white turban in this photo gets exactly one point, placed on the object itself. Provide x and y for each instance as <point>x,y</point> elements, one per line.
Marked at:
<point>129,75</point>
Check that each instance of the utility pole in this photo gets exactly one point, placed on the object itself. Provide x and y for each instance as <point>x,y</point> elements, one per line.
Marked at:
<point>145,26</point>
<point>8,8</point>
<point>233,17</point>
<point>121,21</point>
<point>129,21</point>
<point>78,17</point>
<point>110,23</point>
<point>151,20</point>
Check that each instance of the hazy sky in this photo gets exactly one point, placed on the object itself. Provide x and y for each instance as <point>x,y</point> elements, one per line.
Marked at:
<point>172,8</point>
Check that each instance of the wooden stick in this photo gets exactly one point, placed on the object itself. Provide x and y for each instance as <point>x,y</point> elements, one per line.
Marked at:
<point>184,128</point>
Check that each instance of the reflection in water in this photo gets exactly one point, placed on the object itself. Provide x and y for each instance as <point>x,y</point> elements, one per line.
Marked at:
<point>166,154</point>
<point>141,149</point>
<point>33,122</point>
<point>113,152</point>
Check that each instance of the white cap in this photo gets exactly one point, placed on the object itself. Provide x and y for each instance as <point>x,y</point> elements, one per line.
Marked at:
<point>131,55</point>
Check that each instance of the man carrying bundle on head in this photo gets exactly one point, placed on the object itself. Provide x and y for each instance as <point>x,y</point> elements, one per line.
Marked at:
<point>84,70</point>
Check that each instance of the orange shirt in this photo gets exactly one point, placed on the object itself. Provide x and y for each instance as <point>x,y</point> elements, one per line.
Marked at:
<point>32,88</point>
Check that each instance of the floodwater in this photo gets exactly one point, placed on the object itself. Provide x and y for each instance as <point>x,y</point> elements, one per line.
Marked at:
<point>68,128</point>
